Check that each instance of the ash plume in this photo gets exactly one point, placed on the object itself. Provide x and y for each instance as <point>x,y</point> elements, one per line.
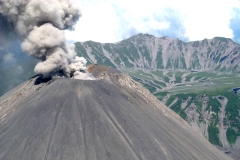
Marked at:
<point>40,24</point>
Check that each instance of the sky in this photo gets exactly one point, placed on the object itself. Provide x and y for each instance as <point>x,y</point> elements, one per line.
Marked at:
<point>109,21</point>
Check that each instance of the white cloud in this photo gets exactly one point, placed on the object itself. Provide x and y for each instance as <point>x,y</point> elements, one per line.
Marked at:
<point>9,58</point>
<point>207,19</point>
<point>98,23</point>
<point>113,20</point>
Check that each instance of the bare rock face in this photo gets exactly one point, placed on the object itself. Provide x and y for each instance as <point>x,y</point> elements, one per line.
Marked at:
<point>144,51</point>
<point>112,117</point>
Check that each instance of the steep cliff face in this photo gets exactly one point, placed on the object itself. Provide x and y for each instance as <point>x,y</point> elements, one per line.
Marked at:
<point>149,52</point>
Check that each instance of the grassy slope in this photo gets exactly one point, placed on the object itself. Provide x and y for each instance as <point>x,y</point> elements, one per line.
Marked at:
<point>209,84</point>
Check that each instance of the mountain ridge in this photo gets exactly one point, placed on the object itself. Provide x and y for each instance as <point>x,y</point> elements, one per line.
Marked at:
<point>147,51</point>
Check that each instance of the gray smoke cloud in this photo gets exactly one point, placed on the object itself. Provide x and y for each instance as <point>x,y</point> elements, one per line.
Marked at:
<point>40,25</point>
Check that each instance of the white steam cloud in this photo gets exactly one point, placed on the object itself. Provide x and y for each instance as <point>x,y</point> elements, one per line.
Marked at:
<point>40,24</point>
<point>78,67</point>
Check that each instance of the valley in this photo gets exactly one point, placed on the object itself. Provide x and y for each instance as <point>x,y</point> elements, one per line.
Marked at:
<point>206,100</point>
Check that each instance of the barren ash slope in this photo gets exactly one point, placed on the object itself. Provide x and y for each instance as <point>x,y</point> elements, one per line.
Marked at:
<point>112,117</point>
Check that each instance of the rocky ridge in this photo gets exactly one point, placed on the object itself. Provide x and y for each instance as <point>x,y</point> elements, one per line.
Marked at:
<point>149,52</point>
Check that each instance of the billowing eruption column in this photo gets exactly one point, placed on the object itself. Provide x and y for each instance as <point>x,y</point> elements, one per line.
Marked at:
<point>40,25</point>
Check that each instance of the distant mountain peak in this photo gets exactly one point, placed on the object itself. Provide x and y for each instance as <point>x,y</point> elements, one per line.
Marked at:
<point>146,51</point>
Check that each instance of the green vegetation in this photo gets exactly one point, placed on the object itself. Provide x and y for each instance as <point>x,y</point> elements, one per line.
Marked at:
<point>170,100</point>
<point>159,58</point>
<point>183,115</point>
<point>96,51</point>
<point>233,109</point>
<point>133,51</point>
<point>218,67</point>
<point>188,78</point>
<point>213,135</point>
<point>153,84</point>
<point>223,69</point>
<point>146,53</point>
<point>138,73</point>
<point>178,80</point>
<point>178,76</point>
<point>81,52</point>
<point>214,103</point>
<point>161,84</point>
<point>118,61</point>
<point>232,135</point>
<point>217,58</point>
<point>166,79</point>
<point>149,87</point>
<point>185,96</point>
<point>198,103</point>
<point>161,95</point>
<point>236,52</point>
<point>169,64</point>
<point>209,51</point>
<point>195,63</point>
<point>158,73</point>
<point>183,63</point>
<point>170,74</point>
<point>176,107</point>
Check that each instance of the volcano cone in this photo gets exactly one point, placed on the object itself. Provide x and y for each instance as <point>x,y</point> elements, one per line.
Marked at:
<point>112,117</point>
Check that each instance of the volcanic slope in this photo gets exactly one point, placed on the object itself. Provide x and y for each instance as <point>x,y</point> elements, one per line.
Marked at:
<point>112,117</point>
